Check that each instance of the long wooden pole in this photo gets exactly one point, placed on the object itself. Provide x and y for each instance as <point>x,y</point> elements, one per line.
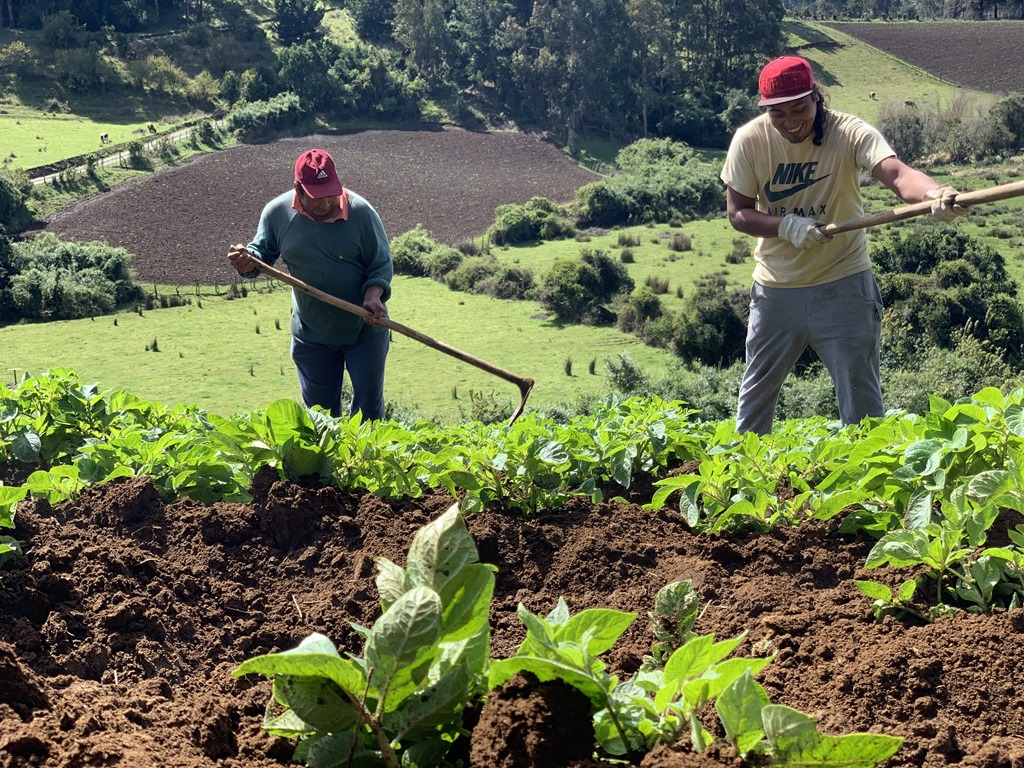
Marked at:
<point>524,384</point>
<point>963,199</point>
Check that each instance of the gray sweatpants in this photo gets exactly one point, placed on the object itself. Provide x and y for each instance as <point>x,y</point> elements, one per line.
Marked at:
<point>841,321</point>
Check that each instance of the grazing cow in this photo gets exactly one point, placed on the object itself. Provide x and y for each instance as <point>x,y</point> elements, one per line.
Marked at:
<point>104,138</point>
<point>873,96</point>
<point>910,104</point>
<point>151,128</point>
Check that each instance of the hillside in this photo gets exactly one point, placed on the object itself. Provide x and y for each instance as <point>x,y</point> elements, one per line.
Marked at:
<point>981,55</point>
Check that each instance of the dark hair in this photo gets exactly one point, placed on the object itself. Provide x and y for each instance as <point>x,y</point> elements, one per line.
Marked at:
<point>821,117</point>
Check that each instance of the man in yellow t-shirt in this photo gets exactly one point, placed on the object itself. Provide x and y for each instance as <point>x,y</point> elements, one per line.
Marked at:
<point>788,171</point>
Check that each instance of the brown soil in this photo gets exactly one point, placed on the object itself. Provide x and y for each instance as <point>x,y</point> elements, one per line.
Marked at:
<point>984,55</point>
<point>120,628</point>
<point>179,222</point>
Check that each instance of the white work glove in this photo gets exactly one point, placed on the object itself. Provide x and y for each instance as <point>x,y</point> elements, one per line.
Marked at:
<point>802,232</point>
<point>944,207</point>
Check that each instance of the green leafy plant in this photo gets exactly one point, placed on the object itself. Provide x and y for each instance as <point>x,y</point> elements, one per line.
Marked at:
<point>664,702</point>
<point>401,703</point>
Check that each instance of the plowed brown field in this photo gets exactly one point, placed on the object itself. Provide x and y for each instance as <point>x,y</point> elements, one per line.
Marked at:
<point>179,222</point>
<point>983,55</point>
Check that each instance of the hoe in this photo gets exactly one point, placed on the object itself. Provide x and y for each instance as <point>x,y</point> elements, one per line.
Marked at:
<point>524,384</point>
<point>964,199</point>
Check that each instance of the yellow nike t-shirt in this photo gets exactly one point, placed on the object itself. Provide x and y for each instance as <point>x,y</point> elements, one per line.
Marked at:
<point>822,183</point>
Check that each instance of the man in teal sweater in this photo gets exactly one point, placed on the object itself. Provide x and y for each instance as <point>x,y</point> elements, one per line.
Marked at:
<point>332,239</point>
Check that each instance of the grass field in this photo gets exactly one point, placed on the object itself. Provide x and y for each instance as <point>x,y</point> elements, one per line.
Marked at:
<point>211,354</point>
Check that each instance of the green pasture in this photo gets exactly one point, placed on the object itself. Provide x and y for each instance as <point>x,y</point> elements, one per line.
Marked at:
<point>210,353</point>
<point>709,242</point>
<point>33,137</point>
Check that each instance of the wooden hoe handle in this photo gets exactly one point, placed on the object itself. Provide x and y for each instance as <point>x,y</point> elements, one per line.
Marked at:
<point>964,199</point>
<point>524,384</point>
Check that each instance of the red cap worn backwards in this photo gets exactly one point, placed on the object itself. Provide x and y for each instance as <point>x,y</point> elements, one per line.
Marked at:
<point>314,171</point>
<point>785,79</point>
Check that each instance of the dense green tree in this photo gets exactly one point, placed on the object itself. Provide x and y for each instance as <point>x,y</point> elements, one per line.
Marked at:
<point>373,19</point>
<point>306,71</point>
<point>297,21</point>
<point>473,24</point>
<point>421,28</point>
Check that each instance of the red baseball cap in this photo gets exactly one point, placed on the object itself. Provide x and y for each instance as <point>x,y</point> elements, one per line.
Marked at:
<point>785,79</point>
<point>314,171</point>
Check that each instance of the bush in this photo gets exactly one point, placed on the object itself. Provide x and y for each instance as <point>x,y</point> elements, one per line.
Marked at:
<point>598,205</point>
<point>15,191</point>
<point>259,119</point>
<point>508,282</point>
<point>613,275</point>
<point>411,251</point>
<point>570,288</point>
<point>712,330</point>
<point>903,129</point>
<point>52,279</point>
<point>537,219</point>
<point>934,282</point>
<point>470,273</point>
<point>634,311</point>
<point>661,178</point>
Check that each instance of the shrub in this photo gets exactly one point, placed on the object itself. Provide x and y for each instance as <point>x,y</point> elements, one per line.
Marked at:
<point>411,251</point>
<point>614,278</point>
<point>471,272</point>
<point>712,330</point>
<point>442,261</point>
<point>903,129</point>
<point>934,282</point>
<point>15,191</point>
<point>661,178</point>
<point>570,288</point>
<point>508,282</point>
<point>258,119</point>
<point>598,205</point>
<point>680,242</point>
<point>539,218</point>
<point>635,310</point>
<point>52,279</point>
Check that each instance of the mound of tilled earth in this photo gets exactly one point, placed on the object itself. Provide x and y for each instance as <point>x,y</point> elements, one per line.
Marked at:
<point>120,628</point>
<point>179,222</point>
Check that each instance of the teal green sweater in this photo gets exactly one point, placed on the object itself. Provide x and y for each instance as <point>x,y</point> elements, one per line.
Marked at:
<point>342,258</point>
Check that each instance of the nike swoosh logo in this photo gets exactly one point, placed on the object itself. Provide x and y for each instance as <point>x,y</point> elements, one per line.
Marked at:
<point>774,197</point>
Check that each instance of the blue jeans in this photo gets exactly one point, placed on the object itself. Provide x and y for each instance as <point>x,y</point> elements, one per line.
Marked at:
<point>841,321</point>
<point>321,368</point>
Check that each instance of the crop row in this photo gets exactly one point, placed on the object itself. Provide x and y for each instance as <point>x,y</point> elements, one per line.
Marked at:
<point>928,487</point>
